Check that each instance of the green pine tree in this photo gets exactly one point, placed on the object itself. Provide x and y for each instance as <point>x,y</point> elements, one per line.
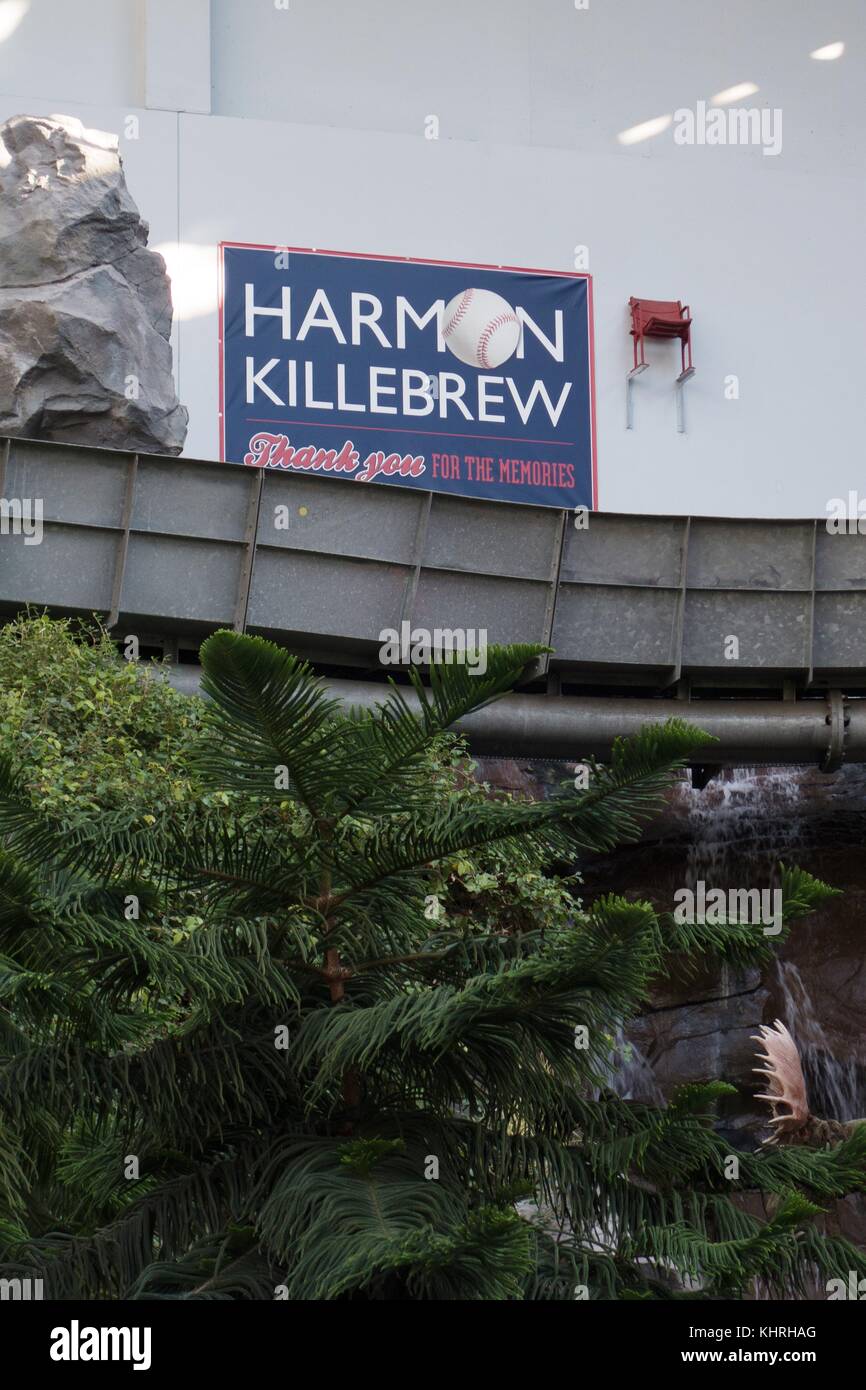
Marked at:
<point>328,1085</point>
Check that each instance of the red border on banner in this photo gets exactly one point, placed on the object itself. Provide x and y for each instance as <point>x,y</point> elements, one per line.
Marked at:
<point>412,260</point>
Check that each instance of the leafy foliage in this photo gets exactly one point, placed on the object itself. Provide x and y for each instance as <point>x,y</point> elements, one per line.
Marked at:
<point>372,1065</point>
<point>86,731</point>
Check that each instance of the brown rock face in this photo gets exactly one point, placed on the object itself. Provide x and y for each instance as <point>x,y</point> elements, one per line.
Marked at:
<point>733,834</point>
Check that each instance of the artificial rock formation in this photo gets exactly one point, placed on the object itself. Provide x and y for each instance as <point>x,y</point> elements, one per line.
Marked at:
<point>85,308</point>
<point>700,1026</point>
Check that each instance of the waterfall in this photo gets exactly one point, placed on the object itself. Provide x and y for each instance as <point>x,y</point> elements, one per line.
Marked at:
<point>741,824</point>
<point>835,1088</point>
<point>630,1075</point>
<point>739,827</point>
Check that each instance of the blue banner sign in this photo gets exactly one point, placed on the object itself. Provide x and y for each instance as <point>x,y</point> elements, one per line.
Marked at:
<point>467,379</point>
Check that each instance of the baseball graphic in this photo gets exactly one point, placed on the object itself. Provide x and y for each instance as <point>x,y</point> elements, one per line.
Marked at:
<point>480,328</point>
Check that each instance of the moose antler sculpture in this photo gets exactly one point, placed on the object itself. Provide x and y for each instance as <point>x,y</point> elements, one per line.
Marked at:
<point>792,1122</point>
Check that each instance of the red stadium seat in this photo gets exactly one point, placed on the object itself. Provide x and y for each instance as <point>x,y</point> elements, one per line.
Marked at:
<point>661,318</point>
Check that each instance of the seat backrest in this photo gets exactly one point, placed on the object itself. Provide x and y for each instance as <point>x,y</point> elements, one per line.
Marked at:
<point>656,307</point>
<point>666,310</point>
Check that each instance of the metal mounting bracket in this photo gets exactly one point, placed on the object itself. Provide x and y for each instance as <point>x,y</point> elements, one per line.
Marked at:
<point>681,410</point>
<point>629,403</point>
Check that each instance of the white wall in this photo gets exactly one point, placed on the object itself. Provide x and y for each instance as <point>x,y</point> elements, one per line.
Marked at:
<point>322,143</point>
<point>73,50</point>
<point>540,72</point>
<point>768,273</point>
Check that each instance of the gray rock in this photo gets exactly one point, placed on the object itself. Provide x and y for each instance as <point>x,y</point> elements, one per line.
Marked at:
<point>85,308</point>
<point>704,1039</point>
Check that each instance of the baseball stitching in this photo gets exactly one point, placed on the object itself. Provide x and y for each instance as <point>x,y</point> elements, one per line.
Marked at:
<point>459,312</point>
<point>484,340</point>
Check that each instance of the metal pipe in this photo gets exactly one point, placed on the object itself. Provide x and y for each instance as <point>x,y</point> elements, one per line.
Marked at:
<point>576,726</point>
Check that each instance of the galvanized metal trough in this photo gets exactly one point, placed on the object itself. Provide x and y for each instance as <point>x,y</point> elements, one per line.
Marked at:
<point>183,545</point>
<point>172,549</point>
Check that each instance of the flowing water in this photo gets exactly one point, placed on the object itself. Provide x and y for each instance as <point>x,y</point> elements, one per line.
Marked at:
<point>734,833</point>
<point>738,828</point>
<point>835,1088</point>
<point>631,1076</point>
<point>741,827</point>
<point>737,831</point>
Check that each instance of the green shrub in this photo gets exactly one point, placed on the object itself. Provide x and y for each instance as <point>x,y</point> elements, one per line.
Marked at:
<point>88,731</point>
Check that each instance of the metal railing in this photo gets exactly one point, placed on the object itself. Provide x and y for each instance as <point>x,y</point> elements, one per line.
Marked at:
<point>167,545</point>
